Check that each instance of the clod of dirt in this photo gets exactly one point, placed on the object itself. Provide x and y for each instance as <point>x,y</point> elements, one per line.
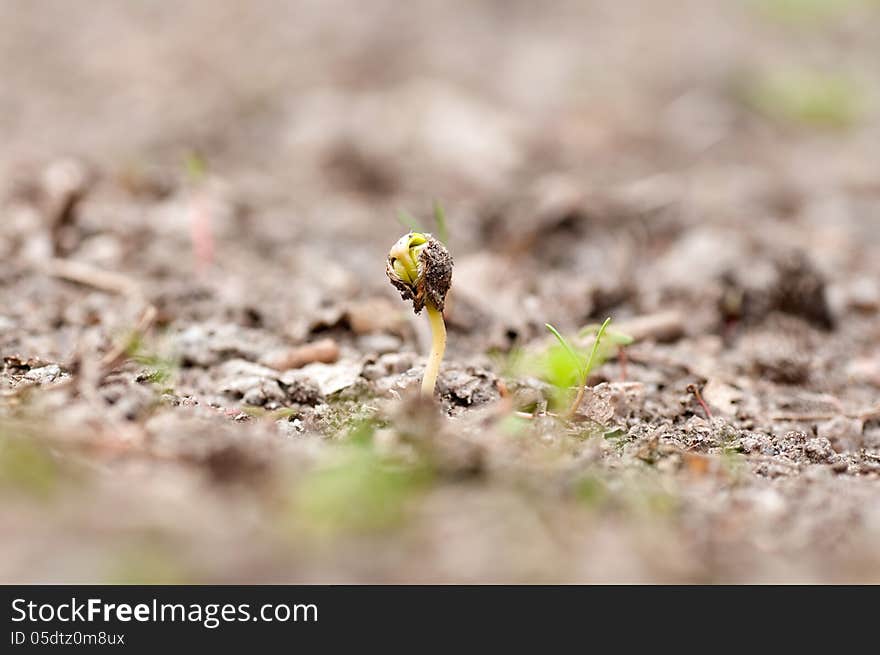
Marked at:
<point>757,444</point>
<point>800,290</point>
<point>44,374</point>
<point>30,372</point>
<point>469,386</point>
<point>301,390</point>
<point>791,444</point>
<point>703,435</point>
<point>251,383</point>
<point>612,400</point>
<point>819,450</point>
<point>794,287</point>
<point>329,378</point>
<point>529,393</point>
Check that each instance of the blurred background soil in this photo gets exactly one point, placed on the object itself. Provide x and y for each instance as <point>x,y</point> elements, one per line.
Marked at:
<point>206,376</point>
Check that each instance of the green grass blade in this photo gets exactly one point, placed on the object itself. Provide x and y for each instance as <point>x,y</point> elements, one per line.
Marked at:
<point>591,361</point>
<point>564,343</point>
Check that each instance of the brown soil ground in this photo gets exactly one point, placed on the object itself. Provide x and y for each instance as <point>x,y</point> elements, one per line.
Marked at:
<point>206,376</point>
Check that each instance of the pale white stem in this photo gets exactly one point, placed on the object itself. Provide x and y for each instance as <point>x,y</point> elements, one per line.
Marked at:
<point>438,347</point>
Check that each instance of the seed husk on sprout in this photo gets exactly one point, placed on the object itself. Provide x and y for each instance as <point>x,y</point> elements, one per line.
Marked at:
<point>420,268</point>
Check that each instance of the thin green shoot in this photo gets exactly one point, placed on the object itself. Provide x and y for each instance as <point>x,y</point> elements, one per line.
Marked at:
<point>584,370</point>
<point>613,345</point>
<point>592,360</point>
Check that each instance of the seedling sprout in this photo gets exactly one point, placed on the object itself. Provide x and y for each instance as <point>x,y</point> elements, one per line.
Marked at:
<point>420,268</point>
<point>583,369</point>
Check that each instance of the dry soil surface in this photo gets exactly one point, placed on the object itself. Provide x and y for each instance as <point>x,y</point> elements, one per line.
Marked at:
<point>206,376</point>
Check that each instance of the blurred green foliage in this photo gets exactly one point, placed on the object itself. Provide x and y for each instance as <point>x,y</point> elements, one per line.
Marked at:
<point>514,426</point>
<point>356,489</point>
<point>26,465</point>
<point>563,364</point>
<point>146,563</point>
<point>807,97</point>
<point>591,490</point>
<point>638,493</point>
<point>808,11</point>
<point>196,167</point>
